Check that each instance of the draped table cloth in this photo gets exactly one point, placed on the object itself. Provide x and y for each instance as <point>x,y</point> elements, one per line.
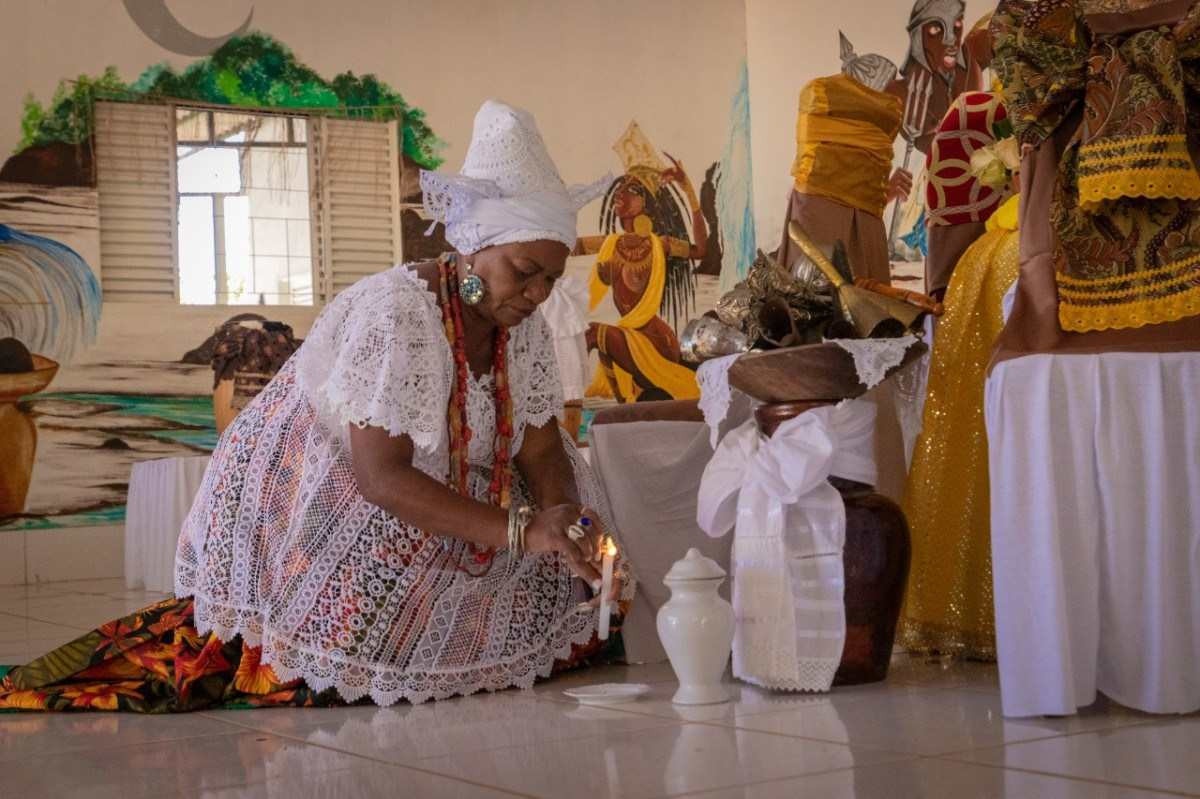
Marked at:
<point>650,471</point>
<point>1095,513</point>
<point>160,495</point>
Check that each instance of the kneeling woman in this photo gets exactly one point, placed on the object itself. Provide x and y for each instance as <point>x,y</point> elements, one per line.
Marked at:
<point>363,530</point>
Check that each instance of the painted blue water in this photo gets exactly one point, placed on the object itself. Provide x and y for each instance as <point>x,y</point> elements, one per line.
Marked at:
<point>194,412</point>
<point>197,429</point>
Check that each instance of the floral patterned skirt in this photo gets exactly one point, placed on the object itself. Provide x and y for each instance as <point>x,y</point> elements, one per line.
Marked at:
<point>155,661</point>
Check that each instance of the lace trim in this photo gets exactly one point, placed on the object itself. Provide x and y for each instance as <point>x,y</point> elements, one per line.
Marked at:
<point>912,384</point>
<point>1152,296</point>
<point>875,357</point>
<point>1168,272</point>
<point>816,676</point>
<point>1154,167</point>
<point>1158,183</point>
<point>448,198</point>
<point>715,393</point>
<point>386,686</point>
<point>1131,314</point>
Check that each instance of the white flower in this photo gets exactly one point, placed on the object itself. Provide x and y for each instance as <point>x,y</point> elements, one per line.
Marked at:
<point>988,168</point>
<point>1009,152</point>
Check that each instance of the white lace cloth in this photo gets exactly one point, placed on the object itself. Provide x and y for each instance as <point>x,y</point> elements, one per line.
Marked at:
<point>874,357</point>
<point>788,578</point>
<point>716,395</point>
<point>281,548</point>
<point>912,384</point>
<point>566,312</point>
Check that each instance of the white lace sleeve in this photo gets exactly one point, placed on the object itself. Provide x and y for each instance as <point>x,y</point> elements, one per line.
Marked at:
<point>377,356</point>
<point>533,377</point>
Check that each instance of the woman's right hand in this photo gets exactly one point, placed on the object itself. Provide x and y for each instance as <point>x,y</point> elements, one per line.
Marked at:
<point>547,532</point>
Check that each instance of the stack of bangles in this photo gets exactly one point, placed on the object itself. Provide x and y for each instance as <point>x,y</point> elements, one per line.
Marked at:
<point>518,519</point>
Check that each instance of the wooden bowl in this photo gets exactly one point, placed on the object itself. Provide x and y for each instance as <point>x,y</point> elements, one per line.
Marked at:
<point>21,384</point>
<point>812,372</point>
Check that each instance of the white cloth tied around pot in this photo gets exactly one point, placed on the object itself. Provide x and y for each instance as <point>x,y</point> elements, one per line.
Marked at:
<point>790,529</point>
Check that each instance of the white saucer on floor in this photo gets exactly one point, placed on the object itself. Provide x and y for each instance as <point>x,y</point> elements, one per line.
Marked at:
<point>611,693</point>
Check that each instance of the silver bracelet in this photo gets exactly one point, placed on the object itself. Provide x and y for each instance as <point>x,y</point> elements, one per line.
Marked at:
<point>518,520</point>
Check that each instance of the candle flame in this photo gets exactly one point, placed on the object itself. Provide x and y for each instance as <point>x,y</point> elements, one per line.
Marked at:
<point>610,547</point>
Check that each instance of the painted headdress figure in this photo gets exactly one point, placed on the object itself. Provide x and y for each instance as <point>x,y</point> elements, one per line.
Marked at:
<point>663,214</point>
<point>639,157</point>
<point>644,262</point>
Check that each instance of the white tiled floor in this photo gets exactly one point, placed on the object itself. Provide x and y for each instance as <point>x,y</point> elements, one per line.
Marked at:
<point>930,731</point>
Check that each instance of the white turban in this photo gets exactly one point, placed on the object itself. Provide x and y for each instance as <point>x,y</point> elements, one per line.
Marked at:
<point>509,190</point>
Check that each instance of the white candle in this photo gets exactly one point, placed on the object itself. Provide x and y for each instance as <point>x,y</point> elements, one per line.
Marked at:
<point>606,581</point>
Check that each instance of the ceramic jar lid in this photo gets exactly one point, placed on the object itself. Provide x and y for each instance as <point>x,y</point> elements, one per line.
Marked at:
<point>694,566</point>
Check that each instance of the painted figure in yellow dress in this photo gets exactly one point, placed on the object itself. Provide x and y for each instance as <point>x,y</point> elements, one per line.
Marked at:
<point>646,260</point>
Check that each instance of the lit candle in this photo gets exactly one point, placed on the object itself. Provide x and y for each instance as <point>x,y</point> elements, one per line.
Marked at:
<point>606,581</point>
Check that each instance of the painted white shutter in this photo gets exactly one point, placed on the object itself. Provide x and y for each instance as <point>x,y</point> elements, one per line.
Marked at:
<point>355,166</point>
<point>135,174</point>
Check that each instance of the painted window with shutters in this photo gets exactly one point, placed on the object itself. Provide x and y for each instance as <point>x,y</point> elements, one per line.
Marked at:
<point>222,206</point>
<point>356,167</point>
<point>135,172</point>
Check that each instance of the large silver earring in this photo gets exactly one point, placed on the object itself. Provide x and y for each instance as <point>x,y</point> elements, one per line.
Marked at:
<point>471,287</point>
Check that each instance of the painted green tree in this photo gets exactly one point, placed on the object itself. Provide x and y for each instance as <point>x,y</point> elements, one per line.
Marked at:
<point>254,70</point>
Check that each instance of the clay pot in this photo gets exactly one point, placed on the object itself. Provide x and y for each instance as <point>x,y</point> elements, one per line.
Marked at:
<point>875,558</point>
<point>18,433</point>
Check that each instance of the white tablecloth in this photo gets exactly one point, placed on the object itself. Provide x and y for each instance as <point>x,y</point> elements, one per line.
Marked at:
<point>160,496</point>
<point>1095,496</point>
<point>651,473</point>
<point>566,312</point>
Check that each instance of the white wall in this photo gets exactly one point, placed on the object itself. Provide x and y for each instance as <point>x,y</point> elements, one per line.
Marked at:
<point>788,44</point>
<point>583,67</point>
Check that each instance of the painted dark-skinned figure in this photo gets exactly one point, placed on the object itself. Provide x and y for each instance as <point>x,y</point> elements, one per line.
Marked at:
<point>646,259</point>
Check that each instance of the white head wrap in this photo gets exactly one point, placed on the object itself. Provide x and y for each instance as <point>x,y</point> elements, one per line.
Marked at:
<point>508,190</point>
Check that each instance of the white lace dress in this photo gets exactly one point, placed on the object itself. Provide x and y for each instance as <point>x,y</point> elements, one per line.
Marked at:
<point>281,548</point>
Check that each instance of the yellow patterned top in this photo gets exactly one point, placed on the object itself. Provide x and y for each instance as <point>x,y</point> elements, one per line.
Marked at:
<point>1126,207</point>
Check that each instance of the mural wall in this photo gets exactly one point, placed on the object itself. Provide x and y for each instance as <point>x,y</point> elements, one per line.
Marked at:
<point>123,390</point>
<point>927,40</point>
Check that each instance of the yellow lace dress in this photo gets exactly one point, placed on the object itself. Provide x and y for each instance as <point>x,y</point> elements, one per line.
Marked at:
<point>948,609</point>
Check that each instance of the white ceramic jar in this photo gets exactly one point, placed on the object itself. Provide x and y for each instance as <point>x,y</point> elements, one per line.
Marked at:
<point>696,628</point>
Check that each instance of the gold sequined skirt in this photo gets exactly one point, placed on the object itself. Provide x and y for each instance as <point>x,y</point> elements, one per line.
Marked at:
<point>948,608</point>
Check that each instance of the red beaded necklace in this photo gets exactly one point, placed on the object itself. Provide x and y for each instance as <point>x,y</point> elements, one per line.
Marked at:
<point>500,489</point>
